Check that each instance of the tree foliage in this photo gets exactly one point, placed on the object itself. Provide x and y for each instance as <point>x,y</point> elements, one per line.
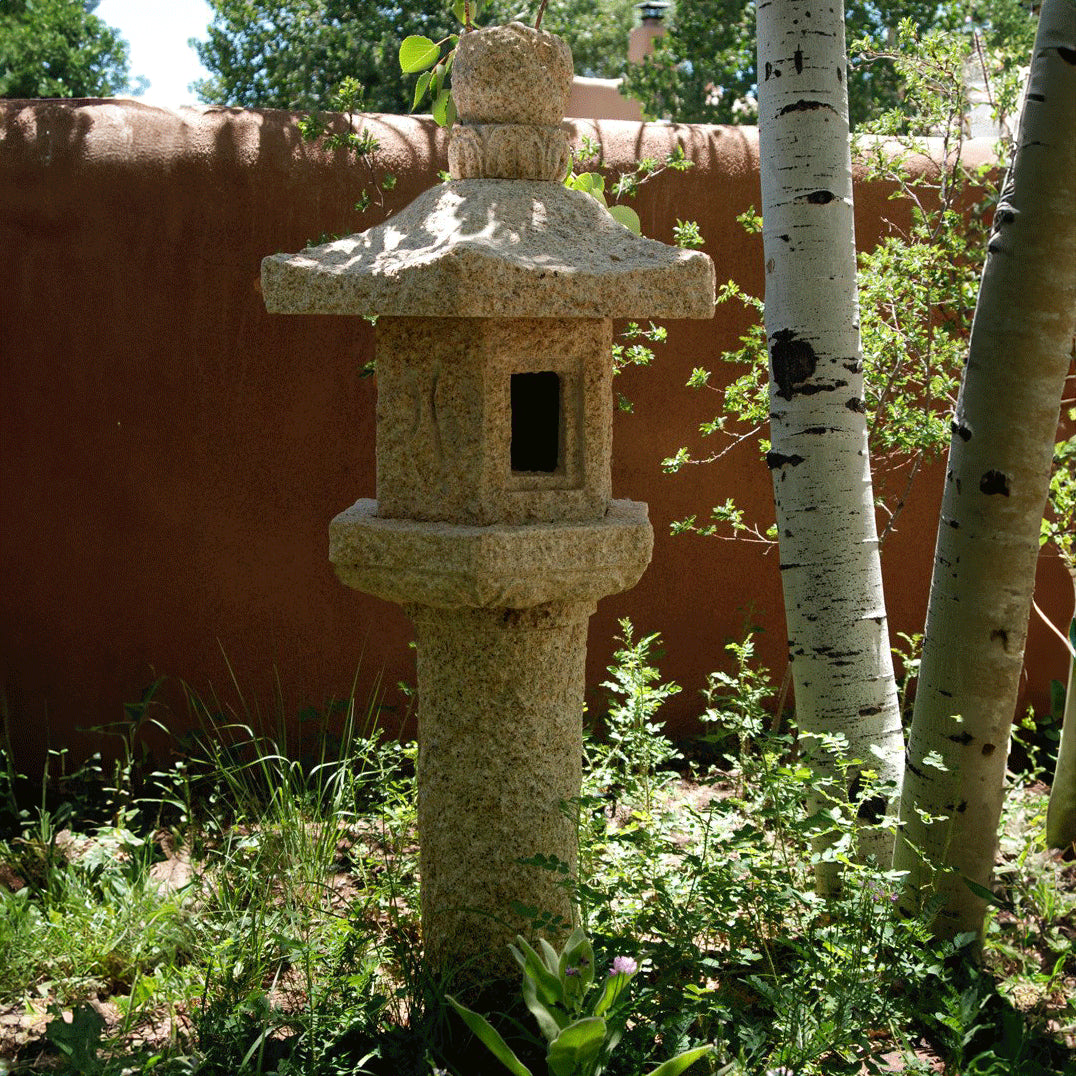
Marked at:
<point>59,48</point>
<point>917,287</point>
<point>703,70</point>
<point>294,53</point>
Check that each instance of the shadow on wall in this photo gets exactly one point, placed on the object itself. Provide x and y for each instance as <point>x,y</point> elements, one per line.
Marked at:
<point>172,455</point>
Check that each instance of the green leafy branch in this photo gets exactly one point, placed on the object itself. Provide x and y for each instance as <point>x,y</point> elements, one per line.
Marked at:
<point>361,144</point>
<point>1059,523</point>
<point>917,289</point>
<point>432,60</point>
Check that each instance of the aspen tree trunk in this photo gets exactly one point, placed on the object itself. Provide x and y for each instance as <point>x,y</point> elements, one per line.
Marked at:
<point>842,666</point>
<point>995,491</point>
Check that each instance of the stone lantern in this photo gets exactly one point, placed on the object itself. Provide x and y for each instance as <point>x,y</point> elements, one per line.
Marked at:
<point>494,523</point>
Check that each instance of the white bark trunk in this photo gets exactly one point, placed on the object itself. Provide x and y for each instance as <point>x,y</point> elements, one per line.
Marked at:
<point>834,607</point>
<point>995,491</point>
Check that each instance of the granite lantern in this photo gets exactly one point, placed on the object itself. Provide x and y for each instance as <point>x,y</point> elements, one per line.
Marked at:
<point>494,523</point>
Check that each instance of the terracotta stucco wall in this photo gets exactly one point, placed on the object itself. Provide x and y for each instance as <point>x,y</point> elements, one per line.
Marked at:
<point>172,455</point>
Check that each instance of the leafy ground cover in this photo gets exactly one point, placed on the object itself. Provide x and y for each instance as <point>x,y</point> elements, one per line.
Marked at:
<point>239,911</point>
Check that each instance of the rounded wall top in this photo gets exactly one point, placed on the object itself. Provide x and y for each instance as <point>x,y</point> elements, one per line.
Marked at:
<point>512,74</point>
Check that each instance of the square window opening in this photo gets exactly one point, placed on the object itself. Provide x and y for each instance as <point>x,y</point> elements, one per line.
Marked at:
<point>535,401</point>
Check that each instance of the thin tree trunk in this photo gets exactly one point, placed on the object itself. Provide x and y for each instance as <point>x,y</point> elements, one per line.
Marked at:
<point>834,607</point>
<point>995,491</point>
<point>1061,810</point>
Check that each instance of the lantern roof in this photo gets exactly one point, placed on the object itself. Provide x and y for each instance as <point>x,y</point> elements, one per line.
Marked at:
<point>505,248</point>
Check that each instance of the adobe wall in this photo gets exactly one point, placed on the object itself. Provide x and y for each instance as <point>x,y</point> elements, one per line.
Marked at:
<point>172,455</point>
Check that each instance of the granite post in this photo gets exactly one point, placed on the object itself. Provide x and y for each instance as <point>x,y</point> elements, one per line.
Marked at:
<point>494,523</point>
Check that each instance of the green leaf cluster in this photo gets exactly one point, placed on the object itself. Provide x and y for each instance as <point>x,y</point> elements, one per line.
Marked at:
<point>1059,523</point>
<point>292,53</point>
<point>917,287</point>
<point>637,757</point>
<point>348,99</point>
<point>59,48</point>
<point>703,69</point>
<point>419,53</point>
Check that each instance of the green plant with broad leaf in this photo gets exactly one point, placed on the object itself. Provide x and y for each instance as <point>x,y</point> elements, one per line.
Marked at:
<point>432,61</point>
<point>593,183</point>
<point>581,1019</point>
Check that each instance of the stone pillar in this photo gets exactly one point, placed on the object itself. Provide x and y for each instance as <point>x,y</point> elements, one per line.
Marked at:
<point>500,613</point>
<point>500,752</point>
<point>494,523</point>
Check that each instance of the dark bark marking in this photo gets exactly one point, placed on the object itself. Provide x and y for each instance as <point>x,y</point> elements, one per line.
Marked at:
<point>945,694</point>
<point>777,459</point>
<point>857,405</point>
<point>793,362</point>
<point>797,58</point>
<point>915,769</point>
<point>1068,55</point>
<point>866,711</point>
<point>963,739</point>
<point>958,485</point>
<point>954,523</point>
<point>962,806</point>
<point>788,567</point>
<point>1035,97</point>
<point>803,106</point>
<point>840,73</point>
<point>989,748</point>
<point>1002,636</point>
<point>812,390</point>
<point>785,238</point>
<point>853,367</point>
<point>1004,215</point>
<point>821,197</point>
<point>819,429</point>
<point>961,431</point>
<point>872,810</point>
<point>994,482</point>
